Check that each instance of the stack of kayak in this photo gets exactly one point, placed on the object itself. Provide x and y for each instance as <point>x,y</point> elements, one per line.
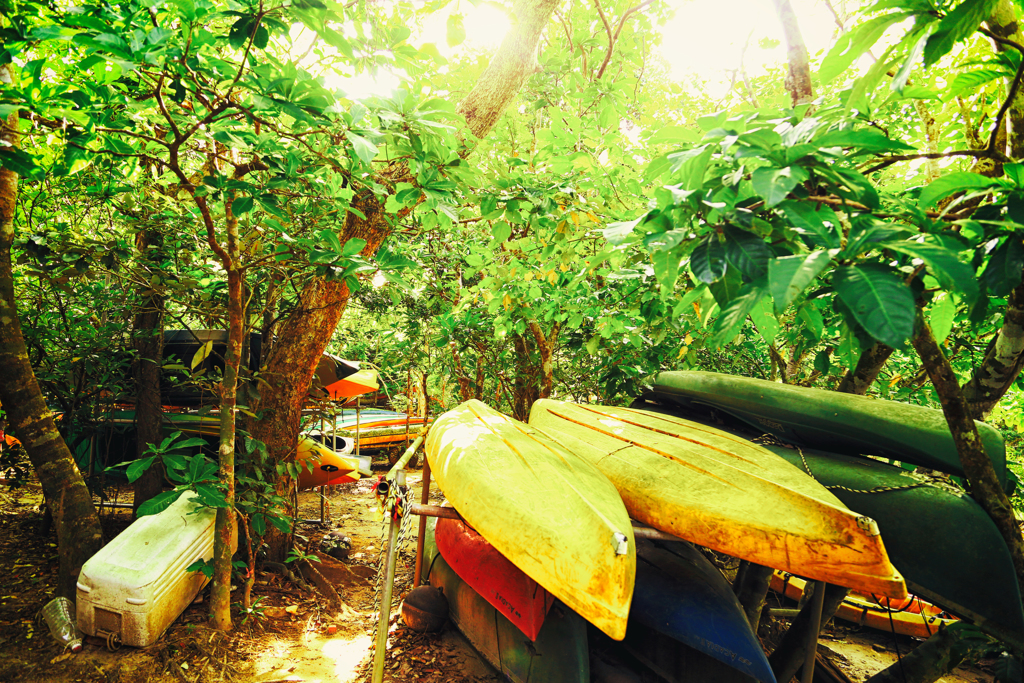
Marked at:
<point>114,442</point>
<point>371,428</point>
<point>944,544</point>
<point>546,541</point>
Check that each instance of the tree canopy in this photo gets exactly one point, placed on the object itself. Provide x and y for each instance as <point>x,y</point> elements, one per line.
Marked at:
<point>556,215</point>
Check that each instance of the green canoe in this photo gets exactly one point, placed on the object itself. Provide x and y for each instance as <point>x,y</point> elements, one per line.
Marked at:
<point>829,420</point>
<point>945,546</point>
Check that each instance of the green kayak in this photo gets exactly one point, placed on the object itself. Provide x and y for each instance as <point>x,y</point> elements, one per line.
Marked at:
<point>945,546</point>
<point>829,420</point>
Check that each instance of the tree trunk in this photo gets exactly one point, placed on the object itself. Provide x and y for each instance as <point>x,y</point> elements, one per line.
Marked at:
<point>79,535</point>
<point>798,78</point>
<point>226,525</point>
<point>751,588</point>
<point>870,363</point>
<point>304,334</point>
<point>479,388</point>
<point>546,348</point>
<point>147,338</point>
<point>1003,360</point>
<point>527,388</point>
<point>511,65</point>
<point>1004,23</point>
<point>981,475</point>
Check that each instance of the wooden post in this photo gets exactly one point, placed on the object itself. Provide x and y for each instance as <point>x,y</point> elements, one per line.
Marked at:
<point>817,602</point>
<point>424,500</point>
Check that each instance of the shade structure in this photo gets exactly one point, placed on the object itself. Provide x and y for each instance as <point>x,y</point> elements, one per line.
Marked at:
<point>356,384</point>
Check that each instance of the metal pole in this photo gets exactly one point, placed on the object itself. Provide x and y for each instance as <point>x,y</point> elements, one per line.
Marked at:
<point>424,499</point>
<point>385,601</point>
<point>817,601</point>
<point>359,403</point>
<point>406,457</point>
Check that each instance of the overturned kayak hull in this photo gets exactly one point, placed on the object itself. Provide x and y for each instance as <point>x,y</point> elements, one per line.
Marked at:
<point>680,594</point>
<point>515,595</point>
<point>725,493</point>
<point>946,547</point>
<point>830,420</point>
<point>550,512</point>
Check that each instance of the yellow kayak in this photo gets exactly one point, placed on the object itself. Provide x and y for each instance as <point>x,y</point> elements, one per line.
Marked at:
<point>724,492</point>
<point>550,512</point>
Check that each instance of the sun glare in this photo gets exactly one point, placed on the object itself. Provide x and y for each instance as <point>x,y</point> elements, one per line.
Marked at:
<point>486,25</point>
<point>711,38</point>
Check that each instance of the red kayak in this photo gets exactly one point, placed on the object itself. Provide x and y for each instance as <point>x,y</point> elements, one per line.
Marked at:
<point>505,586</point>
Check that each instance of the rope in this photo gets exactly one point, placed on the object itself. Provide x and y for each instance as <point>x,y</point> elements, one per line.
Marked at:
<point>397,503</point>
<point>774,441</point>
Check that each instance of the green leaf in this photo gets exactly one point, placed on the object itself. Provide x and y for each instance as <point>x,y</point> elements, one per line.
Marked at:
<point>456,32</point>
<point>865,140</point>
<point>1005,264</point>
<point>730,320</point>
<point>811,220</point>
<point>746,252</point>
<point>972,80</point>
<point>852,44</point>
<point>20,162</point>
<point>364,149</point>
<point>949,184</point>
<point>951,273</point>
<point>879,301</point>
<point>159,502</point>
<point>501,232</point>
<point>767,324</point>
<point>353,246</point>
<point>775,183</point>
<point>810,316</point>
<point>943,312</point>
<point>956,26</point>
<point>788,276</point>
<point>139,467</point>
<point>708,260</point>
<point>666,270</point>
<point>241,206</point>
<point>617,233</point>
<point>204,351</point>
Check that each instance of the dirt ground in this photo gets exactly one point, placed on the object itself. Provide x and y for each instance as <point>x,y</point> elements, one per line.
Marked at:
<point>300,635</point>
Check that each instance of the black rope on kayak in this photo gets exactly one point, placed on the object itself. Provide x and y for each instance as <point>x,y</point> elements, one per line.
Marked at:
<point>896,642</point>
<point>775,441</point>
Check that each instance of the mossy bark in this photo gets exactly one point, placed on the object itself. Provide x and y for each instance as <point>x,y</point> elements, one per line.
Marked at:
<point>870,363</point>
<point>985,487</point>
<point>147,339</point>
<point>79,535</point>
<point>1004,359</point>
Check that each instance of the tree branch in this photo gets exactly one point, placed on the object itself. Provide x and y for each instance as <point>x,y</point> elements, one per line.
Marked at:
<point>612,39</point>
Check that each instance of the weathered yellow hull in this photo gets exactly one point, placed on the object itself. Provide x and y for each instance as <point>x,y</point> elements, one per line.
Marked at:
<point>724,492</point>
<point>550,512</point>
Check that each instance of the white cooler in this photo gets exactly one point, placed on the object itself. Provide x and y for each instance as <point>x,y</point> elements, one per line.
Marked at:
<point>137,584</point>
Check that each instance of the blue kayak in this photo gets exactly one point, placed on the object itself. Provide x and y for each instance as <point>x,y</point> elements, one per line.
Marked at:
<point>680,594</point>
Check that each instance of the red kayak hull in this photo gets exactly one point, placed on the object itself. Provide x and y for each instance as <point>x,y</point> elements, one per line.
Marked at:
<point>514,594</point>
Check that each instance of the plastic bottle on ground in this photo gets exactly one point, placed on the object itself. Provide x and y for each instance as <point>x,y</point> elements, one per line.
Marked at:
<point>59,615</point>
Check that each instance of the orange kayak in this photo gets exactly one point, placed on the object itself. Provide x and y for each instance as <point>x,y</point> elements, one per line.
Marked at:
<point>911,616</point>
